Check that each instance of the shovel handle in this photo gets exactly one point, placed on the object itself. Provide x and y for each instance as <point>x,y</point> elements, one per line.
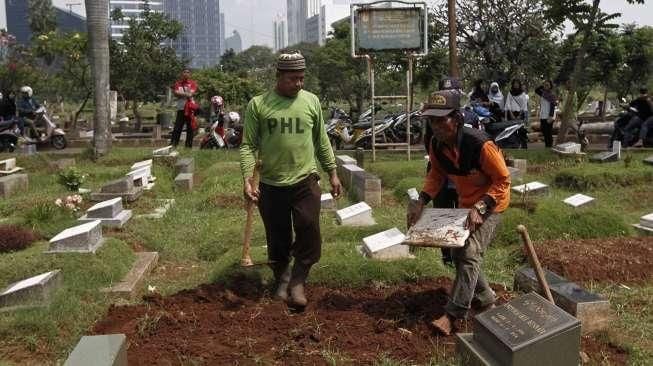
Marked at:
<point>535,263</point>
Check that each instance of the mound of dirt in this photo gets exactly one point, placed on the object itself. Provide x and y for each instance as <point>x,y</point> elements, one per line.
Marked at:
<point>613,260</point>
<point>238,324</point>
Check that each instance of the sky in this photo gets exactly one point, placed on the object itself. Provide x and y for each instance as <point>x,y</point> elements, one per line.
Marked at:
<point>253,18</point>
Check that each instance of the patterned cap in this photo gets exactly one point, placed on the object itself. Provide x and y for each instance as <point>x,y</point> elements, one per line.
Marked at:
<point>291,62</point>
<point>441,103</point>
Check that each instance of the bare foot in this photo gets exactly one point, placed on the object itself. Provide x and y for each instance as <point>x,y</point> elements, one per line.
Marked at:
<point>443,324</point>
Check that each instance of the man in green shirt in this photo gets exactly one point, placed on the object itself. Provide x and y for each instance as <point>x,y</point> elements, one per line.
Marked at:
<point>284,130</point>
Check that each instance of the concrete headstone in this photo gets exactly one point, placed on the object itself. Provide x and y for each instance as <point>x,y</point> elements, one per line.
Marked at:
<point>531,188</point>
<point>84,238</point>
<point>99,350</point>
<point>386,245</point>
<point>439,227</point>
<point>605,157</point>
<point>162,151</point>
<point>359,214</point>
<point>110,213</point>
<point>527,330</point>
<point>345,160</point>
<point>11,184</point>
<point>366,187</point>
<point>515,173</point>
<point>8,164</point>
<point>122,187</point>
<point>578,200</point>
<point>346,173</point>
<point>186,165</point>
<point>568,148</point>
<point>184,182</point>
<point>327,202</point>
<point>32,292</point>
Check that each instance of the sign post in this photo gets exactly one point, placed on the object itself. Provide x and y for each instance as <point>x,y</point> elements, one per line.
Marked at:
<point>402,29</point>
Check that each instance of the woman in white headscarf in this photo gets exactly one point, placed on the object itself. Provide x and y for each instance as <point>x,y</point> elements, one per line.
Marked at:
<point>496,100</point>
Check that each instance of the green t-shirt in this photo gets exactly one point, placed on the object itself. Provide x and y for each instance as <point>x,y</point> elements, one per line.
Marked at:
<point>288,134</point>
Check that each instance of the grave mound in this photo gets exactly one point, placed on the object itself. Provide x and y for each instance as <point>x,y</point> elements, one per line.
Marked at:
<point>221,324</point>
<point>615,260</point>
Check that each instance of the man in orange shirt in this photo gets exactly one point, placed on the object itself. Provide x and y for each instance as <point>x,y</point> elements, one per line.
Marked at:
<point>471,160</point>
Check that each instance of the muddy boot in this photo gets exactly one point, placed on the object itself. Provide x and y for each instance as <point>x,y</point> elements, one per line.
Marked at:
<point>297,281</point>
<point>282,278</point>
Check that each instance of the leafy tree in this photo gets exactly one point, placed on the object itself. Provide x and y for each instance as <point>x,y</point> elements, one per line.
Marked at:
<point>235,90</point>
<point>41,17</point>
<point>637,68</point>
<point>143,64</point>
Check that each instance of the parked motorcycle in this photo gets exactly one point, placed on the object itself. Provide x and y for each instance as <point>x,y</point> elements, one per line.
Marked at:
<point>398,128</point>
<point>627,115</point>
<point>47,131</point>
<point>218,137</point>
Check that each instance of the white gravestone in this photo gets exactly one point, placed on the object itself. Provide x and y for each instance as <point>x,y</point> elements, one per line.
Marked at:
<point>359,214</point>
<point>439,227</point>
<point>616,147</point>
<point>568,148</point>
<point>386,245</point>
<point>32,292</point>
<point>344,160</point>
<point>327,202</point>
<point>347,174</point>
<point>84,238</point>
<point>110,213</point>
<point>141,178</point>
<point>531,188</point>
<point>578,200</point>
<point>647,220</point>
<point>8,167</point>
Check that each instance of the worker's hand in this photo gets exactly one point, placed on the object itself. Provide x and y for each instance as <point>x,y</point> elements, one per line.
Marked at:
<point>250,191</point>
<point>474,220</point>
<point>415,210</point>
<point>336,186</point>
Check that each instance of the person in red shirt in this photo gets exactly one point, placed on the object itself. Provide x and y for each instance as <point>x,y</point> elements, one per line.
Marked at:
<point>184,89</point>
<point>472,161</point>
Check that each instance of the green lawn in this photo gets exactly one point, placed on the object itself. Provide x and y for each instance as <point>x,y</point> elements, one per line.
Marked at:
<point>201,239</point>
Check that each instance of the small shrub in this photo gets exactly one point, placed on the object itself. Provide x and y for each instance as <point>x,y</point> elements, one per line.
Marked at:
<point>14,238</point>
<point>71,178</point>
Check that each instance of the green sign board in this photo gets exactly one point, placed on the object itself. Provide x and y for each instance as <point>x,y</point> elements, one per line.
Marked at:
<point>388,29</point>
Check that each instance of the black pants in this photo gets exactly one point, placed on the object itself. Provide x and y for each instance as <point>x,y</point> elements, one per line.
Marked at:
<point>286,208</point>
<point>547,131</point>
<point>179,126</point>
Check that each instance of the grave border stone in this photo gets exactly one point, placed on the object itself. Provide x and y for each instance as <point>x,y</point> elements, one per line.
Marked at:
<point>99,350</point>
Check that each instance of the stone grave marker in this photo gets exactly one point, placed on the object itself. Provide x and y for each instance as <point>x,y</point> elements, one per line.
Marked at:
<point>359,214</point>
<point>439,227</point>
<point>645,225</point>
<point>605,157</point>
<point>184,182</point>
<point>84,238</point>
<point>122,187</point>
<point>591,309</point>
<point>578,200</point>
<point>532,188</point>
<point>346,173</point>
<point>649,160</point>
<point>99,350</point>
<point>616,147</point>
<point>142,164</point>
<point>110,213</point>
<point>527,330</point>
<point>515,173</point>
<point>327,202</point>
<point>32,292</point>
<point>8,167</point>
<point>186,165</point>
<point>366,187</point>
<point>10,184</point>
<point>140,178</point>
<point>129,285</point>
<point>163,151</point>
<point>345,160</point>
<point>386,245</point>
<point>570,148</point>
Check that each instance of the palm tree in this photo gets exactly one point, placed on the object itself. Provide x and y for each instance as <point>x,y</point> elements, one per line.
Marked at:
<point>97,20</point>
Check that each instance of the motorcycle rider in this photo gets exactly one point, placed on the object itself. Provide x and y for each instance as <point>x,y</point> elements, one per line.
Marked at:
<point>644,120</point>
<point>27,107</point>
<point>217,113</point>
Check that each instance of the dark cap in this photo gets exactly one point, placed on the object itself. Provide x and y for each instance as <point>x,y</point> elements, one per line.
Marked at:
<point>293,61</point>
<point>441,103</point>
<point>449,83</point>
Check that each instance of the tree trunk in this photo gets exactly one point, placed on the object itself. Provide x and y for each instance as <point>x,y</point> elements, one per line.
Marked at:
<point>575,76</point>
<point>79,110</point>
<point>98,37</point>
<point>454,71</point>
<point>137,117</point>
<point>605,102</point>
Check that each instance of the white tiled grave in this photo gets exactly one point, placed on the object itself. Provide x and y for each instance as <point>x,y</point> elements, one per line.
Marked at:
<point>8,166</point>
<point>110,213</point>
<point>568,148</point>
<point>386,245</point>
<point>359,214</point>
<point>84,238</point>
<point>145,164</point>
<point>327,202</point>
<point>531,188</point>
<point>141,178</point>
<point>645,224</point>
<point>439,227</point>
<point>30,292</point>
<point>578,200</point>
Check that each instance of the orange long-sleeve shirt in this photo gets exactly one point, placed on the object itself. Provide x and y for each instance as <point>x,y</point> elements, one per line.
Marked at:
<point>490,183</point>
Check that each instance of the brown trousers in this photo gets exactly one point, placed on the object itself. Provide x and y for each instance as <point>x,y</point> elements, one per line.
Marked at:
<point>295,207</point>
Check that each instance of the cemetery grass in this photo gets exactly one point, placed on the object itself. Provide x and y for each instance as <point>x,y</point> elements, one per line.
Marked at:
<point>199,241</point>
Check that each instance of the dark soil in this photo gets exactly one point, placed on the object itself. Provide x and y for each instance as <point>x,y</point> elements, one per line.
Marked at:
<point>601,353</point>
<point>612,260</point>
<point>14,238</point>
<point>239,324</point>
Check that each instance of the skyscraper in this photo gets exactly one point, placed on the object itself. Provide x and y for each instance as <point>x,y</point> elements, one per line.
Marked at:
<point>201,40</point>
<point>303,21</point>
<point>18,20</point>
<point>130,9</point>
<point>279,32</point>
<point>223,34</point>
